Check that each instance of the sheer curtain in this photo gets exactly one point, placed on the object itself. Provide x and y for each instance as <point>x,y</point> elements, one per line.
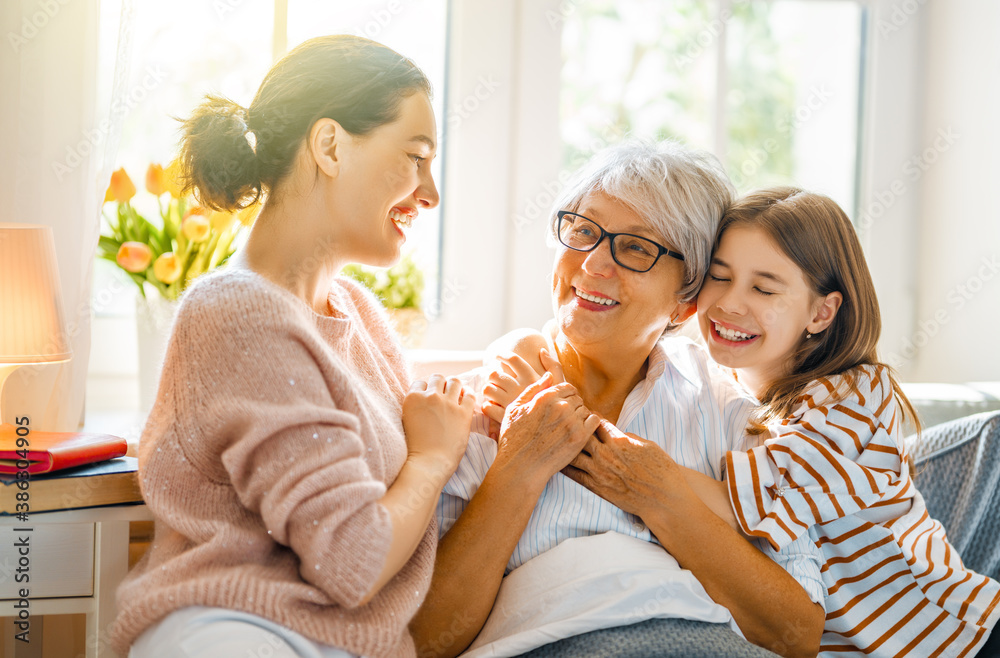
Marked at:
<point>59,132</point>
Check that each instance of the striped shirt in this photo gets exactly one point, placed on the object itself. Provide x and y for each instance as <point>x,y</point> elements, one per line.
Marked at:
<point>688,406</point>
<point>836,471</point>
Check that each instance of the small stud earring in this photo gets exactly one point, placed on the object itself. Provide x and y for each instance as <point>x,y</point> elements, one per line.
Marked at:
<point>808,335</point>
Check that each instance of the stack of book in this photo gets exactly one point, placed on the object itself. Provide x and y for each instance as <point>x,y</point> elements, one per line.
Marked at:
<point>66,471</point>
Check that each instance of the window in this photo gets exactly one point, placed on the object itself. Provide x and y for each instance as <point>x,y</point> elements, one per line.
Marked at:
<point>771,87</point>
<point>188,48</point>
<point>180,52</point>
<point>525,91</point>
<point>415,29</point>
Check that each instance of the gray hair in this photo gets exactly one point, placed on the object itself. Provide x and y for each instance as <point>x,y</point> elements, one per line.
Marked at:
<point>681,193</point>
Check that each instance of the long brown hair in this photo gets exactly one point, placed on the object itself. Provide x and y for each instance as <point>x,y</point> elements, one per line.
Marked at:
<point>813,231</point>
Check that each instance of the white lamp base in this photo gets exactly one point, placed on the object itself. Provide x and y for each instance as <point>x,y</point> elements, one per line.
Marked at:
<point>5,372</point>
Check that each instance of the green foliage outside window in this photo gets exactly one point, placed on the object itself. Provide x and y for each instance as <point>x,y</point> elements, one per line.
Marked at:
<point>400,286</point>
<point>648,69</point>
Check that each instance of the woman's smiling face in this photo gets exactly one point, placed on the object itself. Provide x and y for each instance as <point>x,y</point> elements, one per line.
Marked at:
<point>756,306</point>
<point>600,304</point>
<point>386,182</point>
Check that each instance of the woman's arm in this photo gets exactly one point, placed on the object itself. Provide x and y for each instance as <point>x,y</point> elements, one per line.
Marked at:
<point>769,606</point>
<point>542,431</point>
<point>436,419</point>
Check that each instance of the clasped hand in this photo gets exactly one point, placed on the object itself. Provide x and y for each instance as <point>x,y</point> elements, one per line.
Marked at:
<point>543,429</point>
<point>624,469</point>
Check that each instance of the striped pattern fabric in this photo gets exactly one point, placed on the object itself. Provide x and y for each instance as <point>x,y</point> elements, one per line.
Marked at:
<point>836,471</point>
<point>694,410</point>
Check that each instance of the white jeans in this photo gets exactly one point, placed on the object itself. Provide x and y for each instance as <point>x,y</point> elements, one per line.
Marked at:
<point>203,632</point>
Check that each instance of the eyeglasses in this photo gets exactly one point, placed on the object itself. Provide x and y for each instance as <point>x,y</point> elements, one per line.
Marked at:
<point>632,252</point>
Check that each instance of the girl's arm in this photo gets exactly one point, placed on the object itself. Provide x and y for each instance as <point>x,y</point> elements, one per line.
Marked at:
<point>838,453</point>
<point>713,493</point>
<point>769,606</point>
<point>542,431</point>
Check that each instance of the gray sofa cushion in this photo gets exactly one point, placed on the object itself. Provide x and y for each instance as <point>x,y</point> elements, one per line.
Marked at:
<point>958,473</point>
<point>682,638</point>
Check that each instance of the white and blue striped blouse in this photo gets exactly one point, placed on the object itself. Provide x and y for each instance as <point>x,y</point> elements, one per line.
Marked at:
<point>689,407</point>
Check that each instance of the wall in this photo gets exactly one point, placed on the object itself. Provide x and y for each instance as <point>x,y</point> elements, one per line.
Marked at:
<point>958,278</point>
<point>927,166</point>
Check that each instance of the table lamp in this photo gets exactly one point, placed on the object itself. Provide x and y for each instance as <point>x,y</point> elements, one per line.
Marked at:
<point>31,323</point>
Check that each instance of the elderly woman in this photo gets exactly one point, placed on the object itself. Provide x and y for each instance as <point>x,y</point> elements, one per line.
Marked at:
<point>635,231</point>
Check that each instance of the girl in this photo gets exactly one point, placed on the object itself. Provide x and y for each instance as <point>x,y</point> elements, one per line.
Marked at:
<point>291,476</point>
<point>789,304</point>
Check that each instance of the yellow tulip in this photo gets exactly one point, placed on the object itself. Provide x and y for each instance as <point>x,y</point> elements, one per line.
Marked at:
<point>220,221</point>
<point>196,227</point>
<point>121,188</point>
<point>155,183</point>
<point>172,180</point>
<point>167,268</point>
<point>134,256</point>
<point>248,215</point>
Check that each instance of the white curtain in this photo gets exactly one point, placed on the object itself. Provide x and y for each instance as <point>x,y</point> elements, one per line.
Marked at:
<point>59,135</point>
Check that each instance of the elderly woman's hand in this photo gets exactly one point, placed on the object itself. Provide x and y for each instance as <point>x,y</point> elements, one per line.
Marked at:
<point>508,380</point>
<point>543,429</point>
<point>639,476</point>
<point>624,469</point>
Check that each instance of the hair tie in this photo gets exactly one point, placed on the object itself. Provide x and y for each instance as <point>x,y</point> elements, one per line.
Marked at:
<point>248,134</point>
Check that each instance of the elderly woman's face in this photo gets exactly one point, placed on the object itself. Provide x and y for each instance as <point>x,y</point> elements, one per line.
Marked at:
<point>598,302</point>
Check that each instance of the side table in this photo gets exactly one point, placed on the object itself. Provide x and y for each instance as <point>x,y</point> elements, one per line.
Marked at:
<point>75,560</point>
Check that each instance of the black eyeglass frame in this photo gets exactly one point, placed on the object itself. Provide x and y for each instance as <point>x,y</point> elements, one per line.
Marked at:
<point>611,237</point>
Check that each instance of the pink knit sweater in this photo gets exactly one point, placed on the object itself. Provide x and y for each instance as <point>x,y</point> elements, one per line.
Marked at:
<point>274,434</point>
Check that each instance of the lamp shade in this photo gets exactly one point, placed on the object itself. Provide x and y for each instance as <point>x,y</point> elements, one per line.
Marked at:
<point>31,323</point>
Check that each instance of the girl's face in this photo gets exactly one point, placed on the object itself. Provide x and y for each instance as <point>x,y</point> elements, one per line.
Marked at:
<point>756,307</point>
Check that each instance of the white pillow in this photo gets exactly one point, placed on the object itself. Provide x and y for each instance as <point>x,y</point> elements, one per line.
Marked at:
<point>589,583</point>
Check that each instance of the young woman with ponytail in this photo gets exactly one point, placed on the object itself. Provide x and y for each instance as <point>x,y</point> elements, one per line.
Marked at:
<point>291,467</point>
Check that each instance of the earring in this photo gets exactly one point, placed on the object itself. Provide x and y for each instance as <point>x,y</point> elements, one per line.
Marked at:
<point>808,335</point>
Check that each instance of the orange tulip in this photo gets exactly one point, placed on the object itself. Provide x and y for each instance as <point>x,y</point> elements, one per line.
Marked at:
<point>196,227</point>
<point>121,188</point>
<point>167,268</point>
<point>155,180</point>
<point>134,257</point>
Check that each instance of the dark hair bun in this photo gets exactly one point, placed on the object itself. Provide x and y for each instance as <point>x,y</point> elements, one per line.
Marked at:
<point>355,81</point>
<point>218,161</point>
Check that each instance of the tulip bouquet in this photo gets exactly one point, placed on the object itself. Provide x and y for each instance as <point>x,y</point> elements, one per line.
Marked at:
<point>169,254</point>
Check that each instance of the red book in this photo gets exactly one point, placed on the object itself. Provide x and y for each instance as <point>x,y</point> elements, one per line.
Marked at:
<point>53,451</point>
